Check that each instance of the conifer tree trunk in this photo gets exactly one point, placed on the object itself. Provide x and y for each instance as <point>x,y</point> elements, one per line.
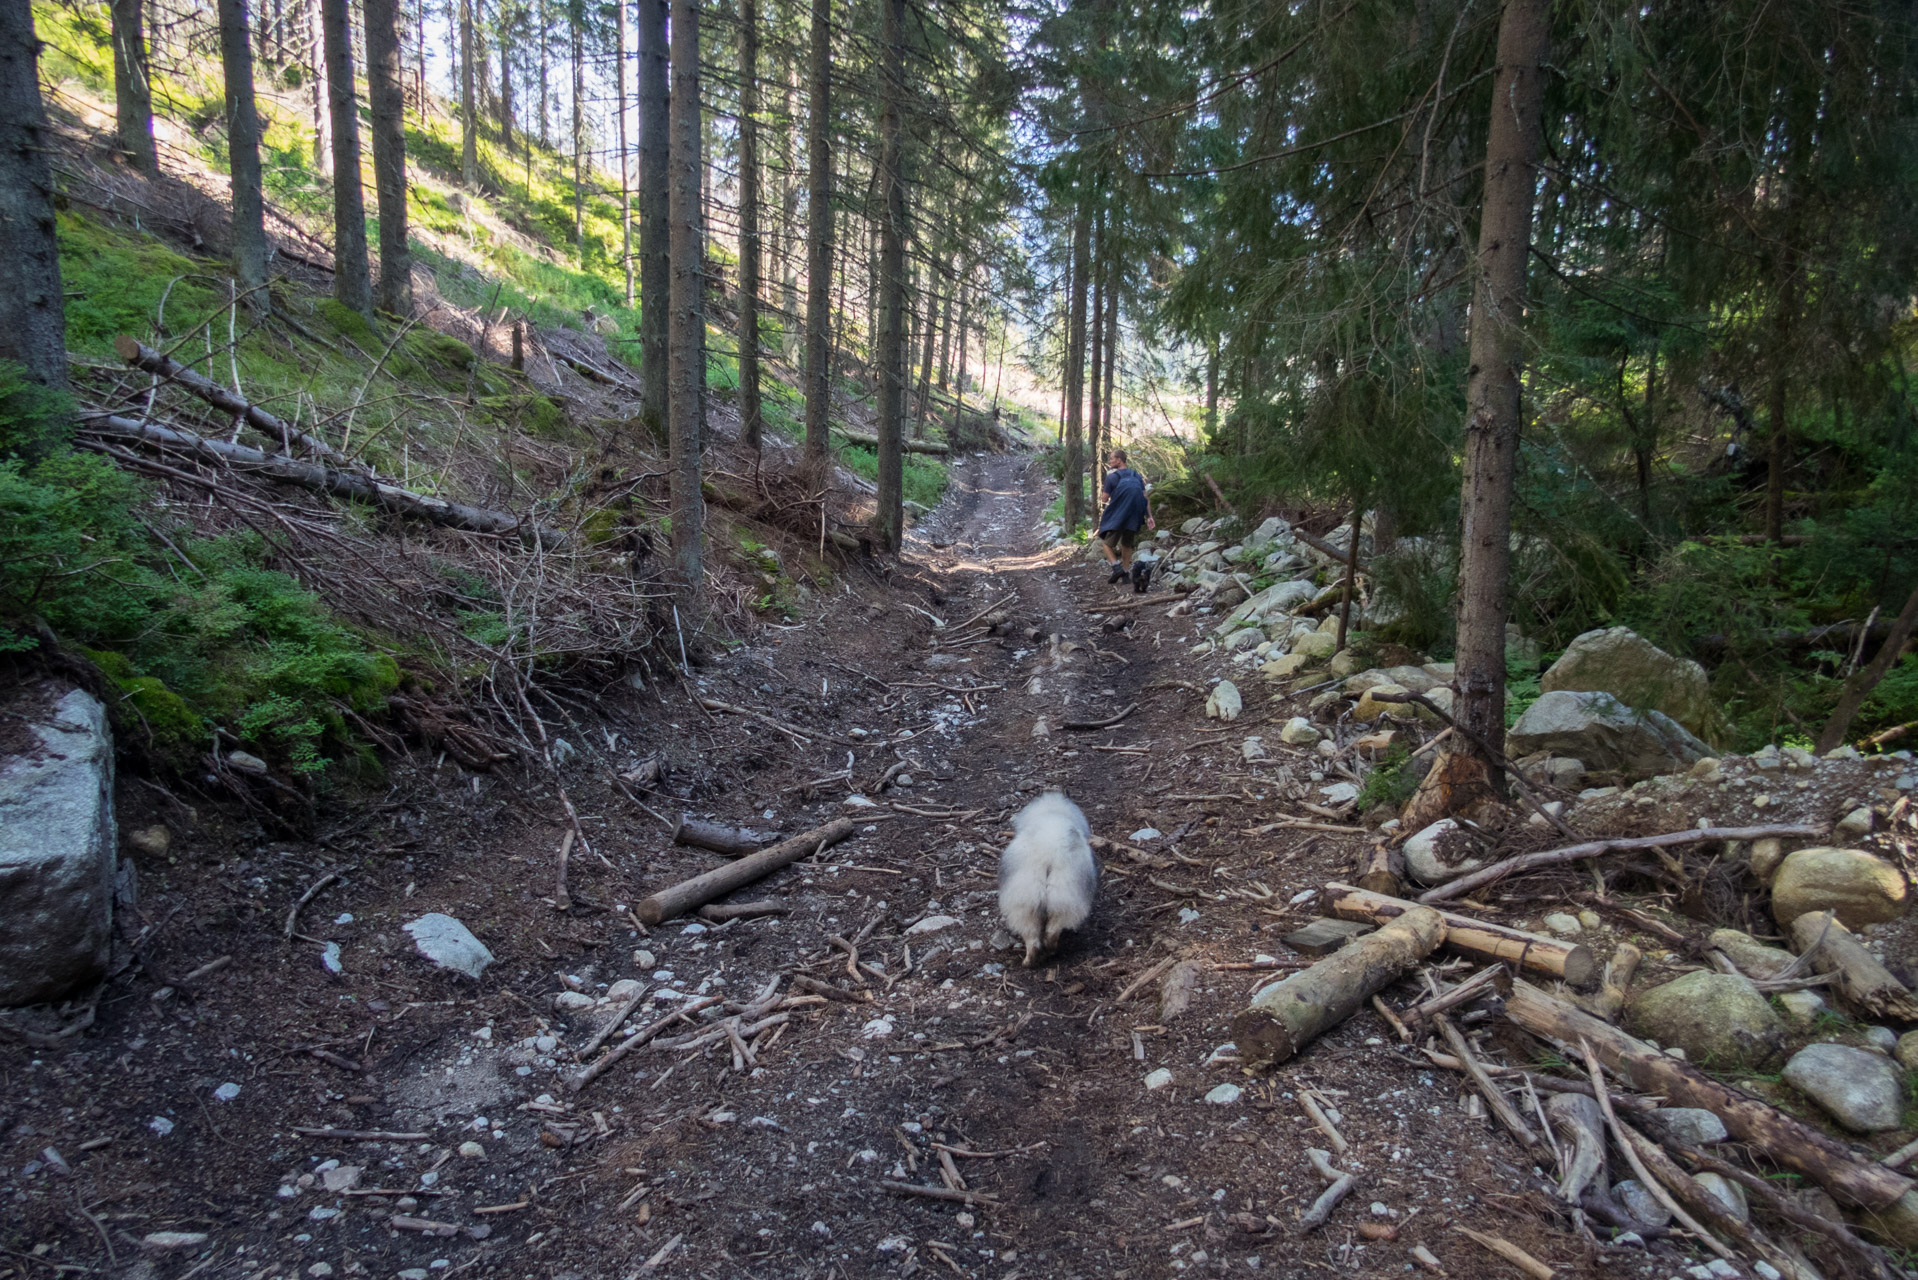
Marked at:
<point>1073,479</point>
<point>388,100</point>
<point>322,99</point>
<point>132,86</point>
<point>1096,337</point>
<point>1212,387</point>
<point>625,156</point>
<point>947,272</point>
<point>688,358</point>
<point>32,307</point>
<point>1115,271</point>
<point>352,279</point>
<point>819,246</point>
<point>576,19</point>
<point>1497,358</point>
<point>892,276</point>
<point>469,118</point>
<point>792,251</point>
<point>959,376</point>
<point>749,248</point>
<point>545,78</point>
<point>419,58</point>
<point>929,315</point>
<point>508,20</point>
<point>655,263</point>
<point>243,155</point>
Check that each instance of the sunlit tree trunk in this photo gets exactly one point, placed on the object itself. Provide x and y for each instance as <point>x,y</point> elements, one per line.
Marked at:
<point>32,307</point>
<point>322,98</point>
<point>819,240</point>
<point>1073,478</point>
<point>469,117</point>
<point>749,247</point>
<point>625,157</point>
<point>688,325</point>
<point>132,85</point>
<point>655,261</point>
<point>243,155</point>
<point>352,278</point>
<point>891,345</point>
<point>388,102</point>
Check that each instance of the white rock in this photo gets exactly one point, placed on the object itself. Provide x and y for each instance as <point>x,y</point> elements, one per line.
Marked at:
<point>1158,1079</point>
<point>1224,702</point>
<point>1440,852</point>
<point>572,1001</point>
<point>1144,834</point>
<point>1340,793</point>
<point>877,1029</point>
<point>1223,1095</point>
<point>172,1241</point>
<point>449,944</point>
<point>1564,925</point>
<point>160,1125</point>
<point>227,1092</point>
<point>1861,1090</point>
<point>1299,732</point>
<point>932,924</point>
<point>472,1151</point>
<point>1253,749</point>
<point>1855,825</point>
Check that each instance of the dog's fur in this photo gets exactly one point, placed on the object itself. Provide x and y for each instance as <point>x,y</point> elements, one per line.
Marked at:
<point>1047,876</point>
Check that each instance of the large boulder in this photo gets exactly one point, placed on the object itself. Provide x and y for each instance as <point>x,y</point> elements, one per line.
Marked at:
<point>1276,598</point>
<point>57,842</point>
<point>1861,887</point>
<point>1753,958</point>
<point>1618,661</point>
<point>1316,644</point>
<point>1610,737</point>
<point>1718,1019</point>
<point>1443,851</point>
<point>1860,1089</point>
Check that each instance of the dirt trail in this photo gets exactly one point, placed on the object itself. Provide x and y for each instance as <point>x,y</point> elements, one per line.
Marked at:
<point>951,1049</point>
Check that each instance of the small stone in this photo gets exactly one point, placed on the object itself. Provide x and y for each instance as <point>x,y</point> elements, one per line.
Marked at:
<point>1224,702</point>
<point>1692,1126</point>
<point>1728,1193</point>
<point>472,1151</point>
<point>1861,887</point>
<point>1223,1095</point>
<point>227,1092</point>
<point>160,1125</point>
<point>1564,925</point>
<point>1801,1008</point>
<point>572,1001</point>
<point>1855,825</point>
<point>932,924</point>
<point>320,1270</point>
<point>1285,666</point>
<point>1907,1051</point>
<point>1640,1203</point>
<point>172,1241</point>
<point>1340,793</point>
<point>343,1177</point>
<point>246,762</point>
<point>1858,1088</point>
<point>1881,1038</point>
<point>1157,1080</point>
<point>1299,732</point>
<point>1590,919</point>
<point>155,840</point>
<point>1718,1019</point>
<point>644,959</point>
<point>1144,834</point>
<point>449,944</point>
<point>1253,749</point>
<point>1443,851</point>
<point>1188,916</point>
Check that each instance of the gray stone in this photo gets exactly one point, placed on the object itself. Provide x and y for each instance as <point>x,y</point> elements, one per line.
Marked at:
<point>1285,666</point>
<point>57,843</point>
<point>1616,660</point>
<point>1563,924</point>
<point>1692,1126</point>
<point>1316,645</point>
<point>1224,703</point>
<point>1881,1038</point>
<point>1607,735</point>
<point>1907,1051</point>
<point>1860,1089</point>
<point>1766,854</point>
<point>1728,1194</point>
<point>1443,851</point>
<point>449,944</point>
<point>1299,732</point>
<point>1243,639</point>
<point>1861,887</point>
<point>1802,1008</point>
<point>1855,825</point>
<point>1640,1203</point>
<point>1753,958</point>
<point>1718,1019</point>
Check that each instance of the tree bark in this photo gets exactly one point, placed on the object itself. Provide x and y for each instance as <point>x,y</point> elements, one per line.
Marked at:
<point>576,20</point>
<point>385,93</point>
<point>1791,1143</point>
<point>819,255</point>
<point>141,356</point>
<point>655,261</point>
<point>1865,983</point>
<point>1096,338</point>
<point>1497,358</point>
<point>469,117</point>
<point>720,881</point>
<point>625,156</point>
<point>1567,961</point>
<point>686,417</point>
<point>1115,275</point>
<point>1072,481</point>
<point>891,346</point>
<point>750,253</point>
<point>132,85</point>
<point>322,100</point>
<point>243,156</point>
<point>1859,686</point>
<point>929,320</point>
<point>507,20</point>
<point>352,277</point>
<point>1212,388</point>
<point>959,374</point>
<point>33,329</point>
<point>1288,1014</point>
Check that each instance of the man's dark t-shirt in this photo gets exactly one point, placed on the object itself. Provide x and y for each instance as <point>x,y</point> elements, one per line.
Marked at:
<point>1125,501</point>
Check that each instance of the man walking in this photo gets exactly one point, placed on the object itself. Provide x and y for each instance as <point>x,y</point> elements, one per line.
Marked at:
<point>1126,507</point>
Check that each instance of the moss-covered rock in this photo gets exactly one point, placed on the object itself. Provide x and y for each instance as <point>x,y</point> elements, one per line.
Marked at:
<point>1718,1019</point>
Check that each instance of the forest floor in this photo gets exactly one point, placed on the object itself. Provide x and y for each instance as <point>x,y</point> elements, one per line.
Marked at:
<point>1032,1082</point>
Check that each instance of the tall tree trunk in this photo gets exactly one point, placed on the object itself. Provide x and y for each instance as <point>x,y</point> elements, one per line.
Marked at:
<point>819,263</point>
<point>508,21</point>
<point>1212,387</point>
<point>388,101</point>
<point>625,156</point>
<point>1860,685</point>
<point>1783,371</point>
<point>1497,358</point>
<point>545,76</point>
<point>419,59</point>
<point>891,351</point>
<point>469,117</point>
<point>792,253</point>
<point>1115,273</point>
<point>655,261</point>
<point>243,156</point>
<point>929,309</point>
<point>1645,439</point>
<point>749,248</point>
<point>959,377</point>
<point>688,360</point>
<point>322,97</point>
<point>1097,337</point>
<point>1073,478</point>
<point>32,308</point>
<point>576,19</point>
<point>352,279</point>
<point>132,85</point>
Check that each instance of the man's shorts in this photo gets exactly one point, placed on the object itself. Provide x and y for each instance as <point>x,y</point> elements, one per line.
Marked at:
<point>1116,538</point>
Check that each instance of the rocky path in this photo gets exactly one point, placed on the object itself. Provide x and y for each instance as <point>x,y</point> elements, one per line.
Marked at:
<point>1088,1118</point>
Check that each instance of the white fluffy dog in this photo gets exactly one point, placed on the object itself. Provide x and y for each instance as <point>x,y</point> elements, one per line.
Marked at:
<point>1047,878</point>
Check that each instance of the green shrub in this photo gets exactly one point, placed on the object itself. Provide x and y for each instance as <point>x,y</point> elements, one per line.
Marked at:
<point>1391,782</point>
<point>34,421</point>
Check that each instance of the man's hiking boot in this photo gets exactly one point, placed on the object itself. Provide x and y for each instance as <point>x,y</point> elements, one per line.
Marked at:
<point>1141,575</point>
<point>1118,574</point>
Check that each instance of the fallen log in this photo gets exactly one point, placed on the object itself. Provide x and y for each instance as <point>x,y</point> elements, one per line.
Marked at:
<point>1383,869</point>
<point>910,446</point>
<point>1289,1013</point>
<point>351,485</point>
<point>284,433</point>
<point>1491,980</point>
<point>1567,961</point>
<point>1615,986</point>
<point>1795,1145</point>
<point>1861,979</point>
<point>1580,1126</point>
<point>1594,848</point>
<point>720,881</point>
<point>731,841</point>
<point>719,913</point>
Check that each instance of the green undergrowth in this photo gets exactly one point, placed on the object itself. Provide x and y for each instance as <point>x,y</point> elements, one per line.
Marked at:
<point>923,478</point>
<point>197,633</point>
